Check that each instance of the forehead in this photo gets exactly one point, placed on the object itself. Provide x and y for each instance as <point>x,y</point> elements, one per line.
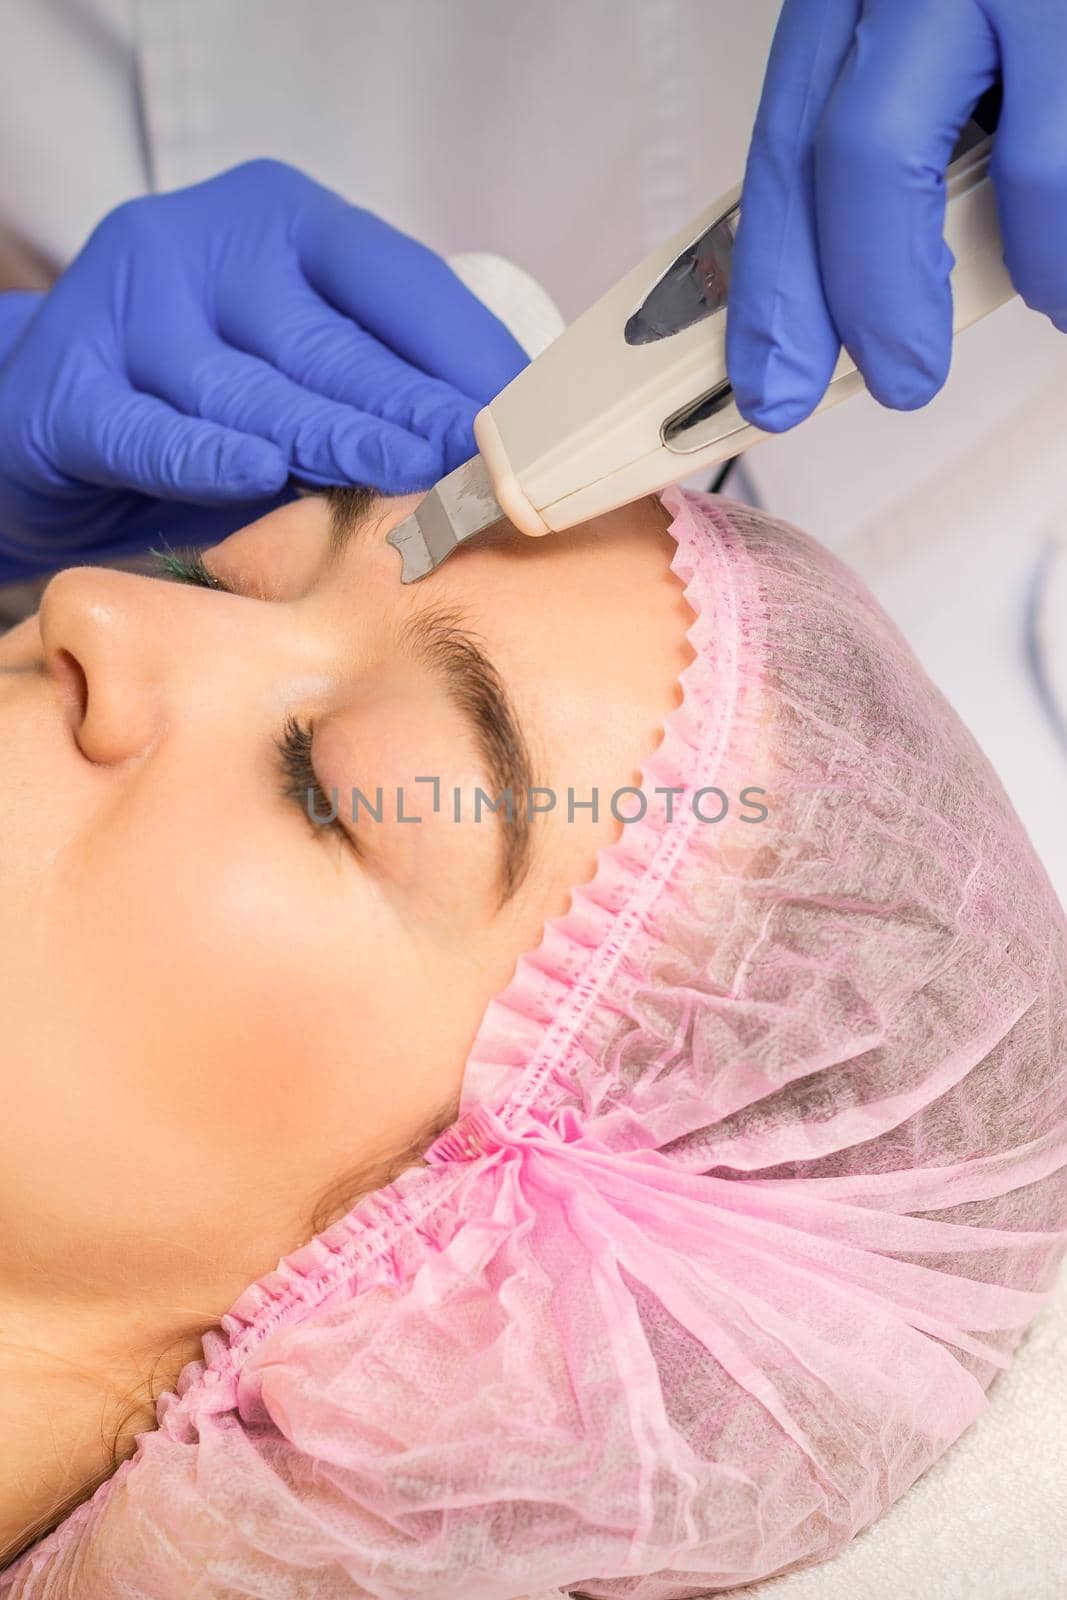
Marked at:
<point>585,606</point>
<point>487,586</point>
<point>550,591</point>
<point>360,523</point>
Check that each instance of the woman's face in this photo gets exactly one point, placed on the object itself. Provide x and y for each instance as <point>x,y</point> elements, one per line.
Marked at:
<point>213,1007</point>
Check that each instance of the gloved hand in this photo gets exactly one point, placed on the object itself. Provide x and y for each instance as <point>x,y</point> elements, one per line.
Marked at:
<point>840,238</point>
<point>208,343</point>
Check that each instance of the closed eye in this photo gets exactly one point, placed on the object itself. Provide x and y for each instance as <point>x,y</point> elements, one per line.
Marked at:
<point>300,783</point>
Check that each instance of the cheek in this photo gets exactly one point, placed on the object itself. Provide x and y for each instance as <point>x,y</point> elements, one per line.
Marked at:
<point>209,1015</point>
<point>249,999</point>
<point>241,950</point>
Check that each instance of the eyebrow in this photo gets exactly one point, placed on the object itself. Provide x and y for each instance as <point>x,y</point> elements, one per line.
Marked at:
<point>437,638</point>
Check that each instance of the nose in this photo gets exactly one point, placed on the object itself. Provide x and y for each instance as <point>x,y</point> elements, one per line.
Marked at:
<point>109,647</point>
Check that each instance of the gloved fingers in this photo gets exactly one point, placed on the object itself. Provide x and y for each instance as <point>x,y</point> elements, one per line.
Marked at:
<point>282,320</point>
<point>116,437</point>
<point>321,442</point>
<point>407,297</point>
<point>109,525</point>
<point>781,344</point>
<point>1029,161</point>
<point>157,525</point>
<point>881,150</point>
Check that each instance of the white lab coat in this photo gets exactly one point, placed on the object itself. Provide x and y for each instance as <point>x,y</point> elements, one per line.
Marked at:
<point>572,136</point>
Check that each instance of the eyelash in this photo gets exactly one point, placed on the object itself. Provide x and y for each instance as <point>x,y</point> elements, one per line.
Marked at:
<point>299,781</point>
<point>293,744</point>
<point>189,567</point>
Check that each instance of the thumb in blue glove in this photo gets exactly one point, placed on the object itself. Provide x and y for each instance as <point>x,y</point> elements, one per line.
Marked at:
<point>840,239</point>
<point>211,344</point>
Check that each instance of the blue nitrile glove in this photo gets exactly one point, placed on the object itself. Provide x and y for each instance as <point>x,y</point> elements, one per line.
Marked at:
<point>209,343</point>
<point>840,239</point>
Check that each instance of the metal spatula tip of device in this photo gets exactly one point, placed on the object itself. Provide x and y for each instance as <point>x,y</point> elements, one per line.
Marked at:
<point>460,506</point>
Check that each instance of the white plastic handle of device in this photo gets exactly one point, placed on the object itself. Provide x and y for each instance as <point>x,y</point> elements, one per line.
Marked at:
<point>579,431</point>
